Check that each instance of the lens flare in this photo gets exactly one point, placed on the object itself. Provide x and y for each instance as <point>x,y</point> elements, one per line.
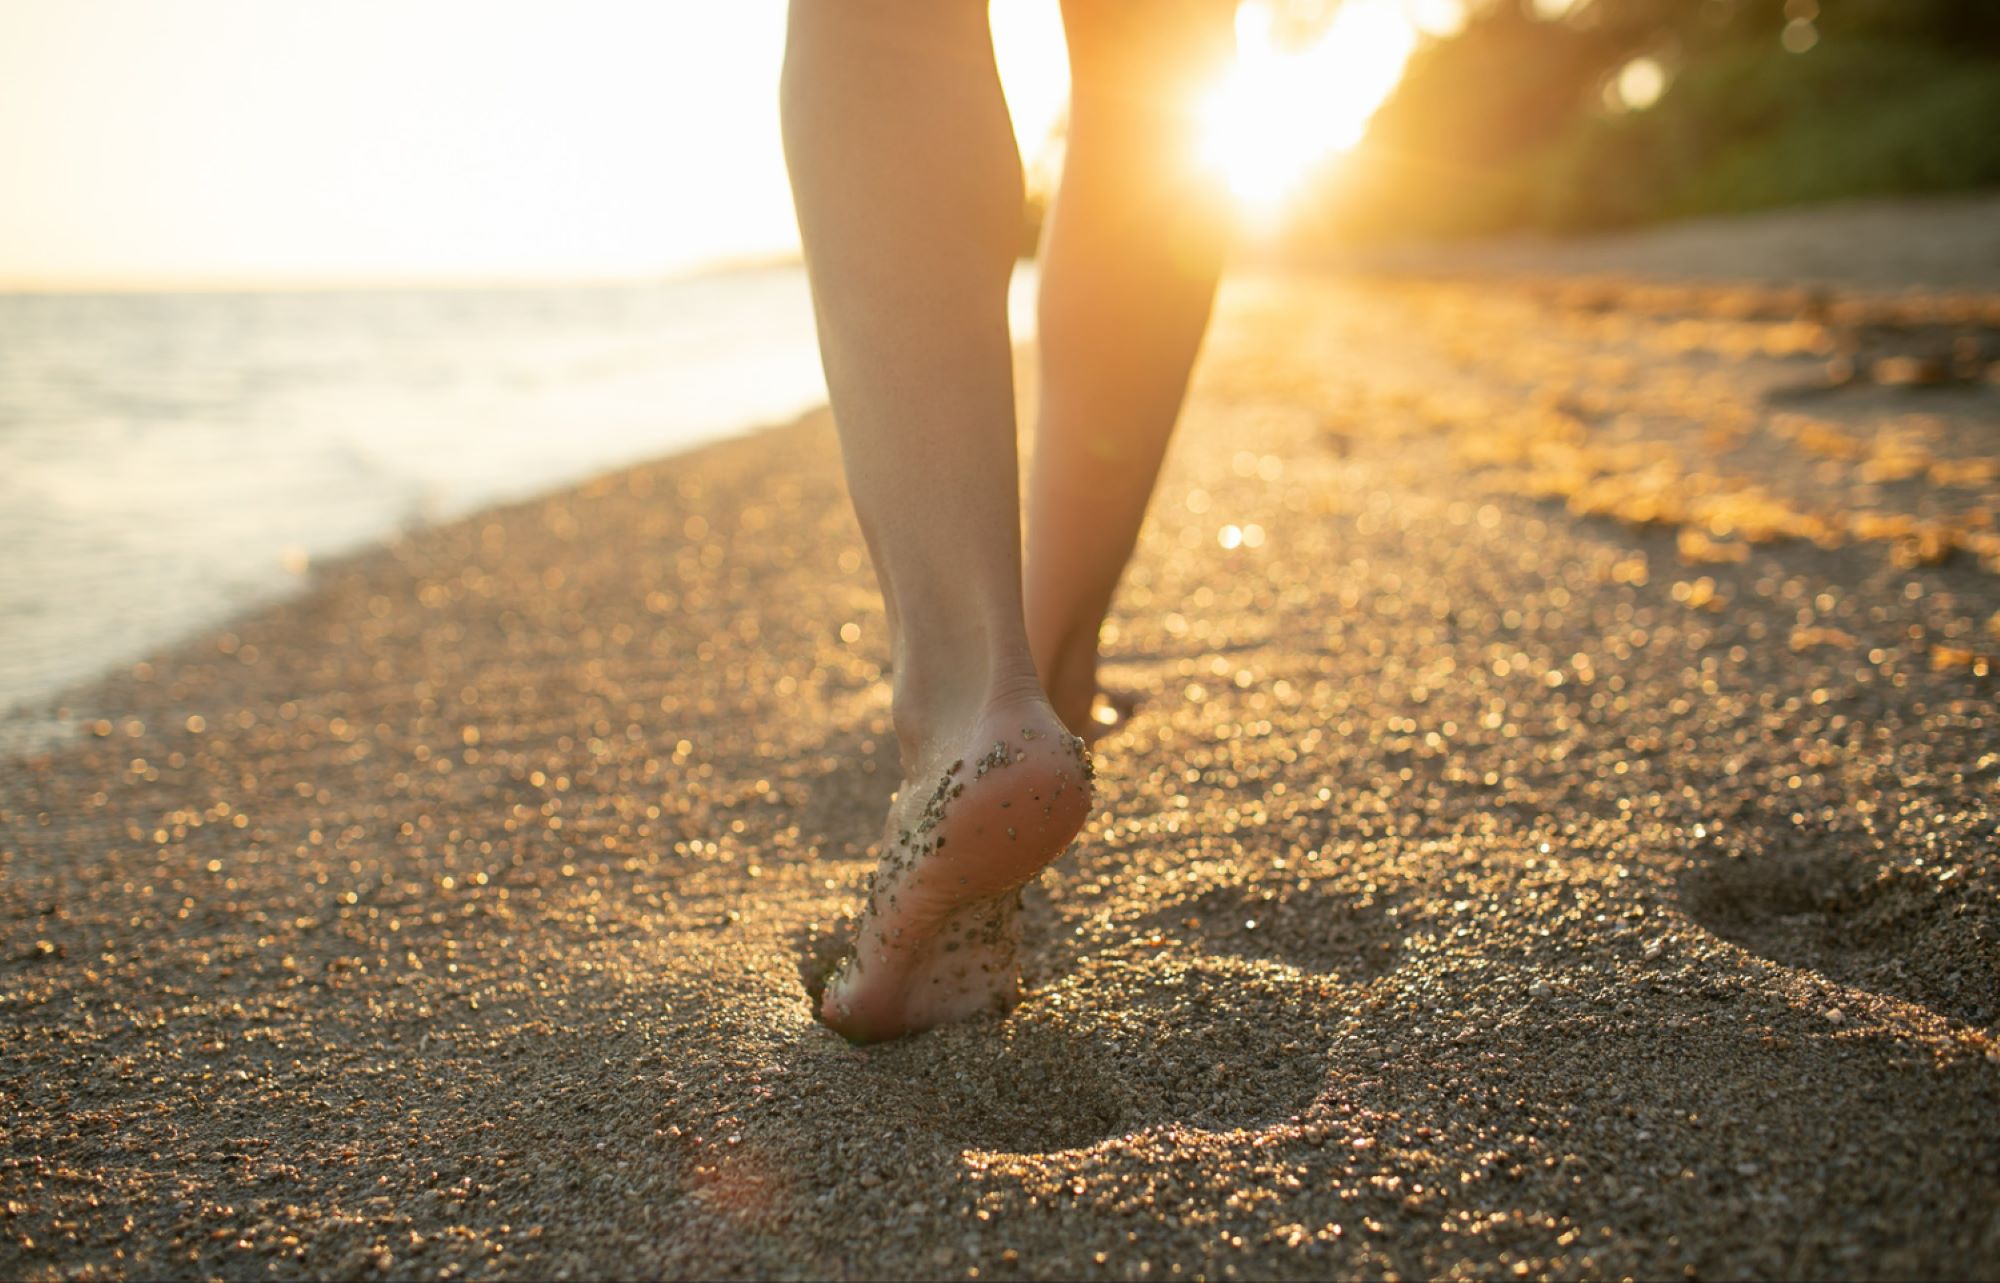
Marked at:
<point>1282,112</point>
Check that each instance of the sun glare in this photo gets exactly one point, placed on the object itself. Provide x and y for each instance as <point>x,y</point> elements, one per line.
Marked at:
<point>1282,112</point>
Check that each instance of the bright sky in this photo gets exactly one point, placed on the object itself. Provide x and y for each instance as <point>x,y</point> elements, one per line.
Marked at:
<point>170,141</point>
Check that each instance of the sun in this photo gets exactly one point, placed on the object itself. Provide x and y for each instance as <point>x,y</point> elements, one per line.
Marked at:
<point>1282,112</point>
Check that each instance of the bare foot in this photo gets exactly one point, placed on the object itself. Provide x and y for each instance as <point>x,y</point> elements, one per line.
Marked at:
<point>977,820</point>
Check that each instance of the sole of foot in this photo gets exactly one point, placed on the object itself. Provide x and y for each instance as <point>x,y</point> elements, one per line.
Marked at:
<point>977,820</point>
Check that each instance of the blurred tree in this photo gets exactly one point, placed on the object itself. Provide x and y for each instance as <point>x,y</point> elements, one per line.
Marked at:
<point>1519,119</point>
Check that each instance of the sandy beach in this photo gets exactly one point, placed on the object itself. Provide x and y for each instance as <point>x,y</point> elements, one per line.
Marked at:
<point>1557,838</point>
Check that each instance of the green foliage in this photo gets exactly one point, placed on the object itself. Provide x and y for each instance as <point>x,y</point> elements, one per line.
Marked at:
<point>1505,125</point>
<point>1760,127</point>
<point>1930,137</point>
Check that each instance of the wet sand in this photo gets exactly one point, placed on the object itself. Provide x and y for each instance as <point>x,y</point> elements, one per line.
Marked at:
<point>1558,839</point>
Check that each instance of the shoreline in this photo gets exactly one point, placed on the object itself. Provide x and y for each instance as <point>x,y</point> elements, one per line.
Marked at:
<point>42,723</point>
<point>353,420</point>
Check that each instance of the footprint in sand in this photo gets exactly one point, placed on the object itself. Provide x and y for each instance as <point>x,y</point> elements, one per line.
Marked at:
<point>1214,1046</point>
<point>1014,1085</point>
<point>1217,1011</point>
<point>1855,919</point>
<point>1323,930</point>
<point>1213,1013</point>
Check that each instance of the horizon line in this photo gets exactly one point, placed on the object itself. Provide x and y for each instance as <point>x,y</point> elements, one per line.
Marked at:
<point>316,283</point>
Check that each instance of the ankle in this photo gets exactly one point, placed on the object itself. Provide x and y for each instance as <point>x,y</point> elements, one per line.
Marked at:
<point>1073,646</point>
<point>932,706</point>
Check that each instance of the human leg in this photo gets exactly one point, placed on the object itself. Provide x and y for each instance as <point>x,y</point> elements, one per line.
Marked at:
<point>908,190</point>
<point>1129,266</point>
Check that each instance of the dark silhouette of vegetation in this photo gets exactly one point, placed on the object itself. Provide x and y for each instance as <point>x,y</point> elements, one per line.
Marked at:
<point>1517,120</point>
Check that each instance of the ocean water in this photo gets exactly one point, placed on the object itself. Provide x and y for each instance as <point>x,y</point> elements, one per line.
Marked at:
<point>169,460</point>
